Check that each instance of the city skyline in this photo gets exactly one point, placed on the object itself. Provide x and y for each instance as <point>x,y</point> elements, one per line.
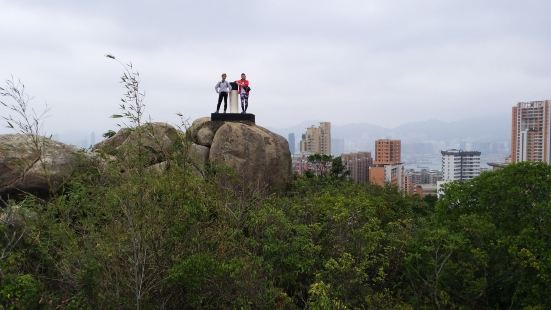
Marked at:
<point>530,141</point>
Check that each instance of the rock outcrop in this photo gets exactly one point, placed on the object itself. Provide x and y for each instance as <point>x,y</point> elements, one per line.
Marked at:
<point>258,155</point>
<point>157,141</point>
<point>35,164</point>
<point>202,131</point>
<point>41,165</point>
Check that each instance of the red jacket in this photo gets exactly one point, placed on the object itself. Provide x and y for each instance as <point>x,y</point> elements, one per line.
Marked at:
<point>242,83</point>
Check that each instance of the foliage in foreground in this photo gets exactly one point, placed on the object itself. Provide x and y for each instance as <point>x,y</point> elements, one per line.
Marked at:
<point>174,240</point>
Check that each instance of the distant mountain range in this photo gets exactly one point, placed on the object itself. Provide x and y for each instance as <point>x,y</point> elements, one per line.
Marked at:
<point>471,130</point>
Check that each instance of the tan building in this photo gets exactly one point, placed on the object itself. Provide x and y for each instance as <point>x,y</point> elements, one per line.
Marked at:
<point>388,168</point>
<point>387,151</point>
<point>382,175</point>
<point>358,164</point>
<point>531,132</point>
<point>317,140</point>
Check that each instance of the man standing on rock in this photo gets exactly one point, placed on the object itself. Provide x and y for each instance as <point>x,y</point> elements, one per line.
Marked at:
<point>244,92</point>
<point>222,88</point>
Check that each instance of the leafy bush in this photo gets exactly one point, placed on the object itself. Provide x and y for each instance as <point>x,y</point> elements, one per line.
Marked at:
<point>20,292</point>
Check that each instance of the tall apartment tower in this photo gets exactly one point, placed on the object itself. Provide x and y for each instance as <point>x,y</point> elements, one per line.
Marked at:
<point>358,164</point>
<point>317,140</point>
<point>458,165</point>
<point>292,143</point>
<point>531,132</point>
<point>388,168</point>
<point>325,138</point>
<point>387,151</point>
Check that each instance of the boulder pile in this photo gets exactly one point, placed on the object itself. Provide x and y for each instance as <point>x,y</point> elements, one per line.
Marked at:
<point>40,165</point>
<point>257,154</point>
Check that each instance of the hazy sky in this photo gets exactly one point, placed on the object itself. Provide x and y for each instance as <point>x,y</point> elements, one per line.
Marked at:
<point>383,62</point>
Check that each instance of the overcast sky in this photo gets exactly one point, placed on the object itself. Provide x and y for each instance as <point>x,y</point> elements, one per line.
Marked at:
<point>384,62</point>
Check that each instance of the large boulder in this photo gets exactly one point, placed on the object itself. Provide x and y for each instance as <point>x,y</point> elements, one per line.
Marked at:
<point>198,155</point>
<point>35,164</point>
<point>261,157</point>
<point>156,141</point>
<point>202,131</point>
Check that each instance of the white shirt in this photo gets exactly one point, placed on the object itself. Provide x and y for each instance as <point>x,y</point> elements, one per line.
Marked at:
<point>222,86</point>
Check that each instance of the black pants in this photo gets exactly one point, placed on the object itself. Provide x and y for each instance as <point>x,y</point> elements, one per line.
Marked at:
<point>244,102</point>
<point>220,96</point>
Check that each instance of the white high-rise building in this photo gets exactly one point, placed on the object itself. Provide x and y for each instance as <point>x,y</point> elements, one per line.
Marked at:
<point>458,165</point>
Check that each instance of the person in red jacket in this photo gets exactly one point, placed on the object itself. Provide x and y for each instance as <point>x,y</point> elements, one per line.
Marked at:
<point>243,90</point>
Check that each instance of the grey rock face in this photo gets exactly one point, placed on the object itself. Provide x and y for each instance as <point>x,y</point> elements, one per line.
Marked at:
<point>258,155</point>
<point>158,168</point>
<point>156,140</point>
<point>202,131</point>
<point>35,164</point>
<point>199,155</point>
<point>205,136</point>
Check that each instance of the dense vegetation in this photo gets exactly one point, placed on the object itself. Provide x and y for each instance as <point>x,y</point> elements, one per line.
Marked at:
<point>143,239</point>
<point>121,235</point>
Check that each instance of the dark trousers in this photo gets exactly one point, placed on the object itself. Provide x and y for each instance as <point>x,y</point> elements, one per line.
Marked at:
<point>244,102</point>
<point>220,96</point>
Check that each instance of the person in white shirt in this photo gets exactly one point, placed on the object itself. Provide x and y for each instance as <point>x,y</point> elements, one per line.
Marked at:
<point>222,88</point>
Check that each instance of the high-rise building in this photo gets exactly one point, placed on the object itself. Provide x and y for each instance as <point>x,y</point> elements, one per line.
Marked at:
<point>388,168</point>
<point>317,140</point>
<point>387,151</point>
<point>292,144</point>
<point>358,164</point>
<point>325,138</point>
<point>409,186</point>
<point>458,165</point>
<point>531,132</point>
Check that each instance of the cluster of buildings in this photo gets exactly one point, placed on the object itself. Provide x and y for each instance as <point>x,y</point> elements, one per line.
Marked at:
<point>386,168</point>
<point>422,182</point>
<point>531,141</point>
